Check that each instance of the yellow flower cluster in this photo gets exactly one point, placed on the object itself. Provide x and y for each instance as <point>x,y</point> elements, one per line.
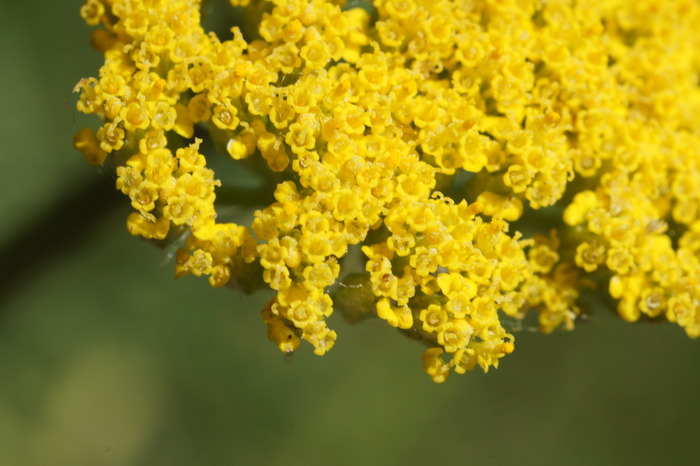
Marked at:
<point>422,135</point>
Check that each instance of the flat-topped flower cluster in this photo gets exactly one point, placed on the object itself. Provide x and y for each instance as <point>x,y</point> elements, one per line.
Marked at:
<point>421,136</point>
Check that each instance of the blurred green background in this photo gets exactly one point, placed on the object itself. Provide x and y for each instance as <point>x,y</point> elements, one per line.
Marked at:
<point>106,360</point>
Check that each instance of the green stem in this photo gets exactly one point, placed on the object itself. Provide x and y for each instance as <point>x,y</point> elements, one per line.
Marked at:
<point>354,298</point>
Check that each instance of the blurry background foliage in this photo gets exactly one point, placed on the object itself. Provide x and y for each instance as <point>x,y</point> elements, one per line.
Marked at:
<point>105,360</point>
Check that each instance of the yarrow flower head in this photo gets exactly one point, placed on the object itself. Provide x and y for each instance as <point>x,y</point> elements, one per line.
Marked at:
<point>450,167</point>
